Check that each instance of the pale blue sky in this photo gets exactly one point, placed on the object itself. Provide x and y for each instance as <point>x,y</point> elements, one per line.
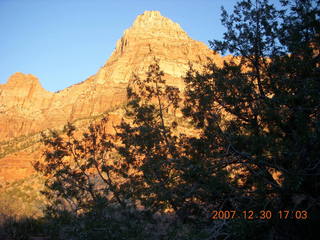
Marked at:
<point>63,42</point>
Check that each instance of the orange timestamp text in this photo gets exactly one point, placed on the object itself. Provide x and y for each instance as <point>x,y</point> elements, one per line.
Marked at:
<point>262,214</point>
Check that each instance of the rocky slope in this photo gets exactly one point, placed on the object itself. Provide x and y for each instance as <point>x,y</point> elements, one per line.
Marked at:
<point>26,108</point>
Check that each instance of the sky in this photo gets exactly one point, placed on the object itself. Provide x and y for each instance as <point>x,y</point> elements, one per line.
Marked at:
<point>63,42</point>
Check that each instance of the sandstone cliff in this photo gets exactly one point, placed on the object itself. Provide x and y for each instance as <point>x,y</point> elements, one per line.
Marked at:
<point>26,108</point>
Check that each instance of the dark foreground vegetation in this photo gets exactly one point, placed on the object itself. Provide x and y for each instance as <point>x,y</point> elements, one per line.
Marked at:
<point>243,140</point>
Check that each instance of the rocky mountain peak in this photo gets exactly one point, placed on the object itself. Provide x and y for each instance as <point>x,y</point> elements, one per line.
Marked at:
<point>151,25</point>
<point>26,108</point>
<point>19,79</point>
<point>22,93</point>
<point>152,36</point>
<point>152,22</point>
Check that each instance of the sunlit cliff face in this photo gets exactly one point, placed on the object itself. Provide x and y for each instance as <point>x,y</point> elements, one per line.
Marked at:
<point>27,108</point>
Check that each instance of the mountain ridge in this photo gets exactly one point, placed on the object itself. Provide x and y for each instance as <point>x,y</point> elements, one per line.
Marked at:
<point>26,108</point>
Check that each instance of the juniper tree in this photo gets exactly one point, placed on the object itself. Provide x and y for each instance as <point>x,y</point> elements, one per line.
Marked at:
<point>79,170</point>
<point>261,109</point>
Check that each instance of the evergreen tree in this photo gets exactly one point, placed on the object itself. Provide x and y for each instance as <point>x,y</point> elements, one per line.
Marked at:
<point>80,175</point>
<point>171,171</point>
<point>262,107</point>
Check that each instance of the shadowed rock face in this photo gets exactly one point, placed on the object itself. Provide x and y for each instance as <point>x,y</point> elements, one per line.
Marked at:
<point>26,108</point>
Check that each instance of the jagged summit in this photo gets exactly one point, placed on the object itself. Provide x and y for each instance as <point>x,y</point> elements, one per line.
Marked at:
<point>24,83</point>
<point>19,78</point>
<point>23,90</point>
<point>152,36</point>
<point>150,14</point>
<point>153,23</point>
